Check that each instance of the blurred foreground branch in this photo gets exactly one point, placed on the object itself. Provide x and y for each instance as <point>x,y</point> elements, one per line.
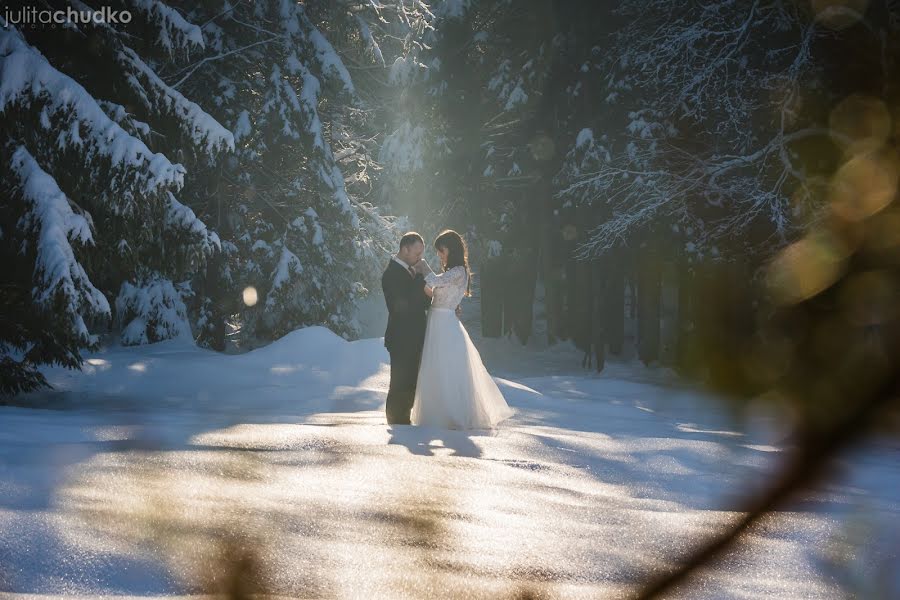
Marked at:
<point>807,465</point>
<point>821,339</point>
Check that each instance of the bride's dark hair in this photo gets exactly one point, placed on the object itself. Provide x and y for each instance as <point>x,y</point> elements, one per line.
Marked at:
<point>457,254</point>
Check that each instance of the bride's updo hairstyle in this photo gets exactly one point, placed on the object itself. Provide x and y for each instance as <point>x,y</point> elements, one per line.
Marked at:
<point>457,254</point>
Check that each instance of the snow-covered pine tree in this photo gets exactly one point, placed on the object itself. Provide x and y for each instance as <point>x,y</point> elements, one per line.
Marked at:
<point>123,102</point>
<point>476,145</point>
<point>291,203</point>
<point>91,211</point>
<point>717,133</point>
<point>711,127</point>
<point>515,48</point>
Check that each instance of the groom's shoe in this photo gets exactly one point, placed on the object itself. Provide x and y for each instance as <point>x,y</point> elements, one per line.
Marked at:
<point>393,419</point>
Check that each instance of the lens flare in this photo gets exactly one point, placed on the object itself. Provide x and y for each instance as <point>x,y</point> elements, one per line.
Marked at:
<point>806,268</point>
<point>250,296</point>
<point>860,123</point>
<point>839,14</point>
<point>864,185</point>
<point>542,147</point>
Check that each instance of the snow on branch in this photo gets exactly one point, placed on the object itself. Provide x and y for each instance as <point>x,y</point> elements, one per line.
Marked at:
<point>182,218</point>
<point>175,32</point>
<point>403,150</point>
<point>27,78</point>
<point>202,128</point>
<point>702,63</point>
<point>50,218</point>
<point>329,61</point>
<point>369,39</point>
<point>636,190</point>
<point>405,71</point>
<point>729,74</point>
<point>126,120</point>
<point>288,265</point>
<point>328,170</point>
<point>161,99</point>
<point>151,310</point>
<point>297,23</point>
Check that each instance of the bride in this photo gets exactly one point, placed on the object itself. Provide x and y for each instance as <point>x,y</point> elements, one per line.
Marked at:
<point>454,390</point>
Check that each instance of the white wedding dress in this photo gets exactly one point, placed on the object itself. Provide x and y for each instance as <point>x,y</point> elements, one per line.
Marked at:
<point>454,390</point>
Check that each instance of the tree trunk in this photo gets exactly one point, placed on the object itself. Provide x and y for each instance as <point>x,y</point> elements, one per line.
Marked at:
<point>648,305</point>
<point>218,333</point>
<point>614,304</point>
<point>582,310</point>
<point>685,341</point>
<point>508,294</point>
<point>491,298</point>
<point>568,309</point>
<point>600,283</point>
<point>521,287</point>
<point>732,317</point>
<point>553,280</point>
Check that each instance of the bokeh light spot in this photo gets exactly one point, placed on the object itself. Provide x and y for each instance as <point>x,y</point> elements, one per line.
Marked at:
<point>806,268</point>
<point>864,185</point>
<point>860,123</point>
<point>542,147</point>
<point>250,296</point>
<point>839,14</point>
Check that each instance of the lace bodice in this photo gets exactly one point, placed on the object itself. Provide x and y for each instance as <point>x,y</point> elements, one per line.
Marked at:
<point>449,287</point>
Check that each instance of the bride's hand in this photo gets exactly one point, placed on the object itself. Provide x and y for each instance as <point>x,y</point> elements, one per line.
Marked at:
<point>422,267</point>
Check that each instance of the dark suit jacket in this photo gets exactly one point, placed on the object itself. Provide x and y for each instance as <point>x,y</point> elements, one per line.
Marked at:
<point>406,304</point>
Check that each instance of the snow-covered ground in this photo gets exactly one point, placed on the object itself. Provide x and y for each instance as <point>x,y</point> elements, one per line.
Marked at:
<point>137,466</point>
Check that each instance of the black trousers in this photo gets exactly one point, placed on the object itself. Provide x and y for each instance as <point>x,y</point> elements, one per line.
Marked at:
<point>402,389</point>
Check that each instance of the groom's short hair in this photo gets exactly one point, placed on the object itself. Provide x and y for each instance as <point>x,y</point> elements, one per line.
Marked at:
<point>409,238</point>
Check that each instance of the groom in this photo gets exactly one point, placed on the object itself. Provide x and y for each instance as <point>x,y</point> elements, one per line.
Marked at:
<point>404,292</point>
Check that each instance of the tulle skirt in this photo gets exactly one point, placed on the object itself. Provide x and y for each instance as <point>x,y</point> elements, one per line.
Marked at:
<point>454,390</point>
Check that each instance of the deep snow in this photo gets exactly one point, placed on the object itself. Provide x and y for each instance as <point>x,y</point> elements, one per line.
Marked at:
<point>156,451</point>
